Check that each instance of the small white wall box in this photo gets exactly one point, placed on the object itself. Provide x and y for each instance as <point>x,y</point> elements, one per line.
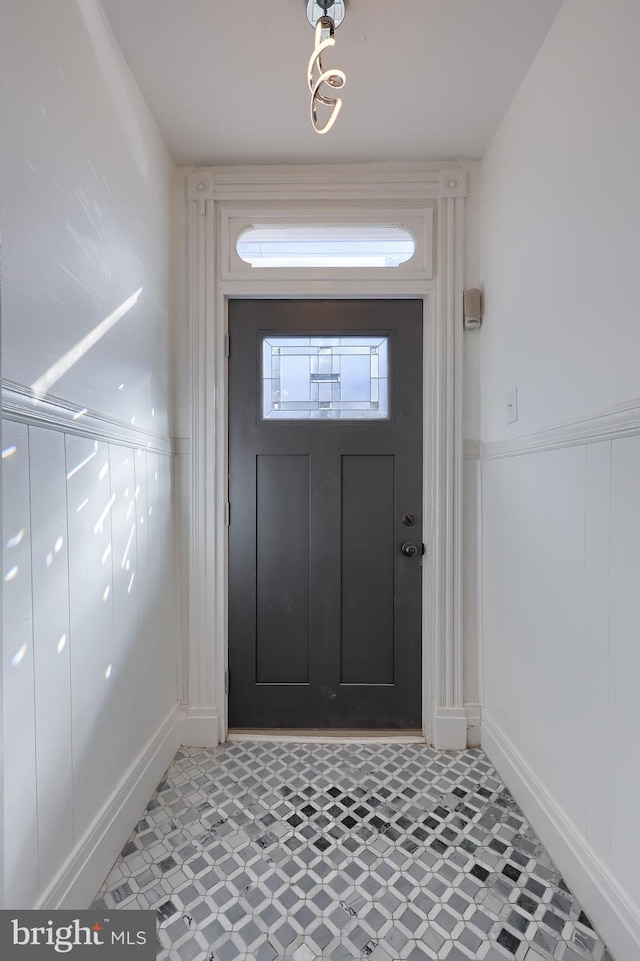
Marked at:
<point>472,308</point>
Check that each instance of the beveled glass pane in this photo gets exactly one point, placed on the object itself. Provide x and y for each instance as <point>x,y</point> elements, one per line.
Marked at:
<point>325,392</point>
<point>266,393</point>
<point>325,362</point>
<point>294,378</point>
<point>325,378</point>
<point>383,387</point>
<point>356,377</point>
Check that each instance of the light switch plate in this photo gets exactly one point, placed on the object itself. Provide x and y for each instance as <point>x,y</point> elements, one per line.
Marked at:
<point>512,406</point>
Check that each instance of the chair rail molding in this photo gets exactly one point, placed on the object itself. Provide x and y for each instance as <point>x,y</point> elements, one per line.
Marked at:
<point>615,423</point>
<point>22,405</point>
<point>435,195</point>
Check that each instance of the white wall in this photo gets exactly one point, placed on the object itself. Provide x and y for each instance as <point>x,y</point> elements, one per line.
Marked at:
<point>86,181</point>
<point>561,523</point>
<point>561,235</point>
<point>90,632</point>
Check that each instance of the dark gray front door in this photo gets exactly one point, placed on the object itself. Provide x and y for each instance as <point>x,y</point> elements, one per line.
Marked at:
<point>325,489</point>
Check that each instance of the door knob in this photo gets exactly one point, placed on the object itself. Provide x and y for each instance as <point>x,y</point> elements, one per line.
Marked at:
<point>409,549</point>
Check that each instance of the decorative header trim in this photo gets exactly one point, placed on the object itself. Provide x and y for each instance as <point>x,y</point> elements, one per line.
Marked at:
<point>200,185</point>
<point>453,182</point>
<point>415,183</point>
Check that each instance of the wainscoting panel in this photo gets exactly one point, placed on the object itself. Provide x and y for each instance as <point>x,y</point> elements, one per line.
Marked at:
<point>91,639</point>
<point>52,649</point>
<point>624,660</point>
<point>125,565</point>
<point>561,601</point>
<point>596,651</point>
<point>90,624</point>
<point>20,811</point>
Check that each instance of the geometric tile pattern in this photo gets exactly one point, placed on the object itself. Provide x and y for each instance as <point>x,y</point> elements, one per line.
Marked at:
<point>254,851</point>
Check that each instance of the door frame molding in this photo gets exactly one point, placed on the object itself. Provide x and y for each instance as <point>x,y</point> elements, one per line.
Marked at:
<point>217,195</point>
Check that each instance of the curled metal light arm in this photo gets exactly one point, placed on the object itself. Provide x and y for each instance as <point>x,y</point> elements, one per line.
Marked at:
<point>320,79</point>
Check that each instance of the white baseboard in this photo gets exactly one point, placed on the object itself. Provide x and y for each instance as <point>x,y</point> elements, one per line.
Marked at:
<point>473,712</point>
<point>200,727</point>
<point>79,879</point>
<point>606,904</point>
<point>450,729</point>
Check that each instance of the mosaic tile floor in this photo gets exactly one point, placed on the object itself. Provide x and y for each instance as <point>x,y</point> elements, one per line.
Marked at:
<point>253,851</point>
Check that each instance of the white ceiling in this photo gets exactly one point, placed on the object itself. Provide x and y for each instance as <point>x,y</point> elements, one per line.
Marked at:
<point>426,79</point>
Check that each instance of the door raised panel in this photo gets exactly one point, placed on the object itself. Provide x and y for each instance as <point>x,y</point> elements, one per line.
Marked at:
<point>282,571</point>
<point>367,563</point>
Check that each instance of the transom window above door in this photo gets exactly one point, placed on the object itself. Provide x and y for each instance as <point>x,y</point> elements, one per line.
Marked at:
<point>325,245</point>
<point>333,378</point>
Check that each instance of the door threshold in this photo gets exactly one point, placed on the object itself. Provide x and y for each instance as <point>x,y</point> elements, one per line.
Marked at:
<point>334,736</point>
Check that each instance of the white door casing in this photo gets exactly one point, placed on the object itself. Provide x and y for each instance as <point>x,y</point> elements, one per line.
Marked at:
<point>223,201</point>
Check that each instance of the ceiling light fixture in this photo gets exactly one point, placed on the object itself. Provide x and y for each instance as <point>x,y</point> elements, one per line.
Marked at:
<point>324,16</point>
